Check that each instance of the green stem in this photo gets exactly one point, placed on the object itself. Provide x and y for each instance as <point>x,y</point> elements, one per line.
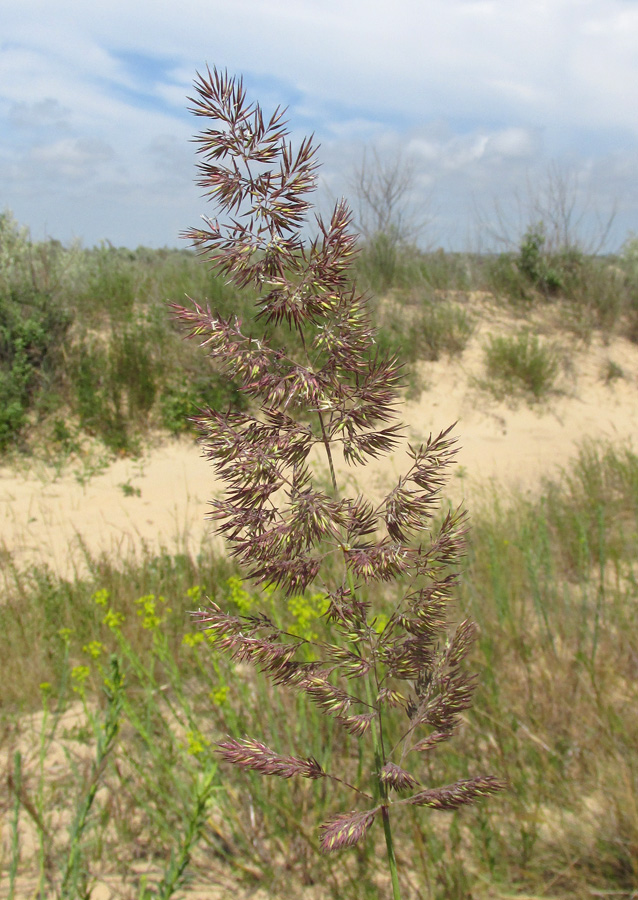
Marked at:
<point>15,836</point>
<point>105,734</point>
<point>381,790</point>
<point>377,733</point>
<point>394,874</point>
<point>382,793</point>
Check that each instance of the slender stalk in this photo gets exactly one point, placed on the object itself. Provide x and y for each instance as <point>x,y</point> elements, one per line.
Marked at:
<point>377,735</point>
<point>328,449</point>
<point>392,863</point>
<point>383,794</point>
<point>324,433</point>
<point>105,734</point>
<point>39,804</point>
<point>174,876</point>
<point>15,836</point>
<point>381,790</point>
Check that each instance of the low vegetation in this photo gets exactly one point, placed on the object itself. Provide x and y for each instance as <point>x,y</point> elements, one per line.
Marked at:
<point>88,352</point>
<point>553,586</point>
<point>520,362</point>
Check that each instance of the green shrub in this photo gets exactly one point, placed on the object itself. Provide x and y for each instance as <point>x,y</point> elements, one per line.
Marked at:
<point>447,271</point>
<point>133,371</point>
<point>115,384</point>
<point>535,264</point>
<point>442,328</point>
<point>97,399</point>
<point>522,361</point>
<point>503,278</point>
<point>110,282</point>
<point>180,401</point>
<point>536,271</point>
<point>32,330</point>
<point>13,405</point>
<point>14,254</point>
<point>629,259</point>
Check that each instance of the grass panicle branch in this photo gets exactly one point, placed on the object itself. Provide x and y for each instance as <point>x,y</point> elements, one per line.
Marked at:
<point>329,387</point>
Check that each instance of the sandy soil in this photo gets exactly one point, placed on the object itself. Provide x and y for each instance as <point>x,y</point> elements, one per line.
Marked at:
<point>50,517</point>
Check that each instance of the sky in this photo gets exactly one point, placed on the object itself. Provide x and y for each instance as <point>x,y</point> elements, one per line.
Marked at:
<point>493,107</point>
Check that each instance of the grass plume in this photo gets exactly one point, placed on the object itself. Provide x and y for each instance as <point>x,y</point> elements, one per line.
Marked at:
<point>400,684</point>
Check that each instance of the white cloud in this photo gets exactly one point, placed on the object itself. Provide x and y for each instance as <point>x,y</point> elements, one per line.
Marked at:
<point>41,114</point>
<point>513,143</point>
<point>74,159</point>
<point>476,89</point>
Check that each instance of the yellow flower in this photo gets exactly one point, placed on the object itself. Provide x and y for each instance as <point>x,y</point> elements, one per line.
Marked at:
<point>65,634</point>
<point>191,639</point>
<point>101,597</point>
<point>113,619</point>
<point>239,596</point>
<point>148,604</point>
<point>218,696</point>
<point>195,592</point>
<point>197,743</point>
<point>79,675</point>
<point>94,648</point>
<point>306,611</point>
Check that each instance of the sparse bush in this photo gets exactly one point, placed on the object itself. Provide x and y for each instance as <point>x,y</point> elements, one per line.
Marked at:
<point>503,278</point>
<point>425,330</point>
<point>611,371</point>
<point>600,297</point>
<point>14,255</point>
<point>522,361</point>
<point>594,508</point>
<point>110,282</point>
<point>180,402</point>
<point>379,261</point>
<point>442,328</point>
<point>115,383</point>
<point>535,265</point>
<point>32,330</point>
<point>628,262</point>
<point>593,292</point>
<point>387,220</point>
<point>449,271</point>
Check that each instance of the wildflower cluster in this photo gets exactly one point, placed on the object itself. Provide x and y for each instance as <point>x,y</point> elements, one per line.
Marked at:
<point>150,611</point>
<point>328,390</point>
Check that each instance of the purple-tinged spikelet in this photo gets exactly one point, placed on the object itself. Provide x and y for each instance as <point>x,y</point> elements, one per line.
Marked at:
<point>326,390</point>
<point>346,829</point>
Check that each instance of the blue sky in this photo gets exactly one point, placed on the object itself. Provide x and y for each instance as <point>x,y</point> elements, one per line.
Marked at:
<point>482,97</point>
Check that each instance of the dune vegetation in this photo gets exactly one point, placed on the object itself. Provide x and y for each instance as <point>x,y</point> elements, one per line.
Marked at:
<point>111,701</point>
